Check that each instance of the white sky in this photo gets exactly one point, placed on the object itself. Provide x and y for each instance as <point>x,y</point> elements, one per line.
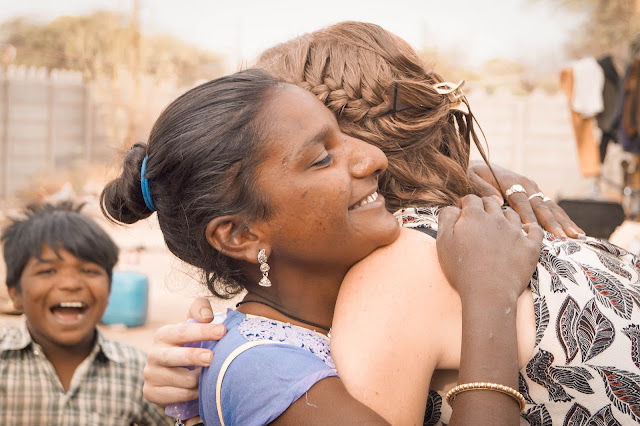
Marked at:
<point>527,30</point>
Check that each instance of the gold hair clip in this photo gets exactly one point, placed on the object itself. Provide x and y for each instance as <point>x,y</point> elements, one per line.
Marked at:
<point>455,95</point>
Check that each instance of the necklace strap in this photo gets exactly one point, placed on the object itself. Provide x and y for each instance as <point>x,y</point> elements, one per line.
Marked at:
<point>312,324</point>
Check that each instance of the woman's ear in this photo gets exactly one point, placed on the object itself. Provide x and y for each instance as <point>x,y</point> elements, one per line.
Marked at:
<point>230,235</point>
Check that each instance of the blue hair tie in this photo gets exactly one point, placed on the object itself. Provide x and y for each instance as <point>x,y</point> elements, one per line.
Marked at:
<point>144,183</point>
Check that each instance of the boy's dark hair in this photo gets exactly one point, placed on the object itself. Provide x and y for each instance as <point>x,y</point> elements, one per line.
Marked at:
<point>59,226</point>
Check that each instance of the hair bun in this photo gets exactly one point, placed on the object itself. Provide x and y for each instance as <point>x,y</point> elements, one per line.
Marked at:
<point>122,200</point>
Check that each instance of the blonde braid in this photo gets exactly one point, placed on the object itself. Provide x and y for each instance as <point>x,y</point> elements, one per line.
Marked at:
<point>355,68</point>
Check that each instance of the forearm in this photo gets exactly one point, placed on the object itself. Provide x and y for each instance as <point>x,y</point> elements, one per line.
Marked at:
<point>489,354</point>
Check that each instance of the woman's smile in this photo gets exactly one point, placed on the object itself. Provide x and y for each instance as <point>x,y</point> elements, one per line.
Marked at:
<point>369,199</point>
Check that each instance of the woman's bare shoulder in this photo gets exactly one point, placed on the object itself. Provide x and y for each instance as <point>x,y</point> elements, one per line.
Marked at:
<point>387,315</point>
<point>404,277</point>
<point>410,243</point>
<point>411,256</point>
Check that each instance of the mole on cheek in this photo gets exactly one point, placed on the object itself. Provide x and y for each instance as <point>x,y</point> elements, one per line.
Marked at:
<point>304,194</point>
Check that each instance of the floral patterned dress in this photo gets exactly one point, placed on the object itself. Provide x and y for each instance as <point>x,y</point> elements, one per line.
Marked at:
<point>585,368</point>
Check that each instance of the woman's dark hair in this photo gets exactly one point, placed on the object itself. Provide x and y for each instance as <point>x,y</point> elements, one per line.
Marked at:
<point>59,226</point>
<point>202,156</point>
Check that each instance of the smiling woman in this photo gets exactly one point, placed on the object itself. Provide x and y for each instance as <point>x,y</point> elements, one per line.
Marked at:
<point>253,179</point>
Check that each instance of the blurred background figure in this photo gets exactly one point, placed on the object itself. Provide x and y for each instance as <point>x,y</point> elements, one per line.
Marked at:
<point>57,367</point>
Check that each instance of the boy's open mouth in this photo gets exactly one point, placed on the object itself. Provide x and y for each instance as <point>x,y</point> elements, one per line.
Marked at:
<point>69,311</point>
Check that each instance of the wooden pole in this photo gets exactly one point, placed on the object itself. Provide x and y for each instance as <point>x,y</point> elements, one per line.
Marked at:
<point>134,70</point>
<point>49,149</point>
<point>4,140</point>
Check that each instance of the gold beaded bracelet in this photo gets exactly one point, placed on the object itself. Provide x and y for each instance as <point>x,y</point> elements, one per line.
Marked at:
<point>451,395</point>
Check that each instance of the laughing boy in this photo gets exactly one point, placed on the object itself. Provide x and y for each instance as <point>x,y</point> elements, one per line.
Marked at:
<point>57,368</point>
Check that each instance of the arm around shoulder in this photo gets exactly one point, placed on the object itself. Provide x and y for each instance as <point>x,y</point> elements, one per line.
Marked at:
<point>280,383</point>
<point>328,402</point>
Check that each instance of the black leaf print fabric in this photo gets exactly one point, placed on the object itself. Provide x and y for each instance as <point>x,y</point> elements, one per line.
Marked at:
<point>614,265</point>
<point>557,269</point>
<point>623,389</point>
<point>537,415</point>
<point>595,332</point>
<point>566,326</point>
<point>604,417</point>
<point>633,333</point>
<point>609,290</point>
<point>580,416</point>
<point>585,367</point>
<point>542,317</point>
<point>634,291</point>
<point>577,416</point>
<point>432,412</point>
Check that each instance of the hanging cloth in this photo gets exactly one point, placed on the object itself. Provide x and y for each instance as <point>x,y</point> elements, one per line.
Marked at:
<point>588,152</point>
<point>630,120</point>
<point>588,82</point>
<point>610,93</point>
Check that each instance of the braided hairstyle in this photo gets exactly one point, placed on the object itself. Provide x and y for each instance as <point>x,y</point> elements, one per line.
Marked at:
<point>203,152</point>
<point>381,92</point>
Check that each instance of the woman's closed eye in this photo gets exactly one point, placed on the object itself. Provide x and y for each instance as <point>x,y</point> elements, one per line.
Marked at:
<point>325,161</point>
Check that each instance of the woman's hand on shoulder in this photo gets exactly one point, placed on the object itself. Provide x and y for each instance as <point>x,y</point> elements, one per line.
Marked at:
<point>483,250</point>
<point>548,213</point>
<point>166,381</point>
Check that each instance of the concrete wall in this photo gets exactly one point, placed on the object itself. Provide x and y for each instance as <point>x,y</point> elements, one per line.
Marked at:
<point>55,122</point>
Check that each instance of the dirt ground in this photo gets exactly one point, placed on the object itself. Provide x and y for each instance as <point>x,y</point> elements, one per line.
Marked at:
<point>172,285</point>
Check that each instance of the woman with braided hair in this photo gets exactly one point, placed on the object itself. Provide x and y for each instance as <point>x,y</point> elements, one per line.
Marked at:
<point>380,90</point>
<point>578,322</point>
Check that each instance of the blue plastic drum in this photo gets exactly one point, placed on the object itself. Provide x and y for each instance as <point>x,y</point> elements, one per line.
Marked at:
<point>129,299</point>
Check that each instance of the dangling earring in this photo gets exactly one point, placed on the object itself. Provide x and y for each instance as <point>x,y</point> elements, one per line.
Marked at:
<point>264,268</point>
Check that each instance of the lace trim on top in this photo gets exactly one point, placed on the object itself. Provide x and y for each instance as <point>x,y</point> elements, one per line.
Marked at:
<point>419,217</point>
<point>261,328</point>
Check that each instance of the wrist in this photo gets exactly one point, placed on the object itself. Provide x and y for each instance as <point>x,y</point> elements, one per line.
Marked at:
<point>497,313</point>
<point>498,298</point>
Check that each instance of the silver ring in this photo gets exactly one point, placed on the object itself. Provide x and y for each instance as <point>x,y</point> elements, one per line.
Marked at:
<point>545,198</point>
<point>515,188</point>
<point>538,194</point>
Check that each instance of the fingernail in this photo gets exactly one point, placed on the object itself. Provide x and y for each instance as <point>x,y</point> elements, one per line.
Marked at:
<point>205,357</point>
<point>206,313</point>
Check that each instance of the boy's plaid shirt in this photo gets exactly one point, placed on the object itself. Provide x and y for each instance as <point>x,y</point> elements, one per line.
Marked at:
<point>106,388</point>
